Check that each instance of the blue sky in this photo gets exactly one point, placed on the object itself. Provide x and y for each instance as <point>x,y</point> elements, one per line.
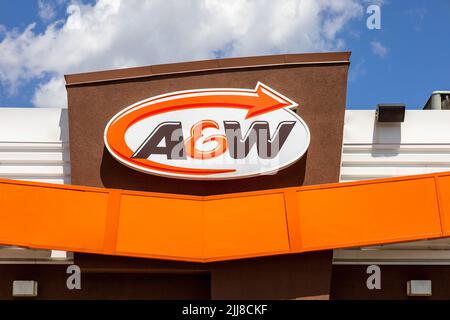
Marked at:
<point>404,61</point>
<point>416,35</point>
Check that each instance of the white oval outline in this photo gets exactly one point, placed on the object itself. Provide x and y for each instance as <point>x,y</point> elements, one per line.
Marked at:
<point>206,177</point>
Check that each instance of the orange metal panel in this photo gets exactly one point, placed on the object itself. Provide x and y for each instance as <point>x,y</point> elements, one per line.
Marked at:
<point>112,222</point>
<point>71,219</point>
<point>222,227</point>
<point>16,213</point>
<point>293,219</point>
<point>245,226</point>
<point>51,217</point>
<point>160,227</point>
<point>443,191</point>
<point>373,213</point>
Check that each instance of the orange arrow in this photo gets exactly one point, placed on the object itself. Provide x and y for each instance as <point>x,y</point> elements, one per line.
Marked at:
<point>269,100</point>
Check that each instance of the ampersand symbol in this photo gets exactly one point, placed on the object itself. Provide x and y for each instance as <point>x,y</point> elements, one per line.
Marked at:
<point>197,133</point>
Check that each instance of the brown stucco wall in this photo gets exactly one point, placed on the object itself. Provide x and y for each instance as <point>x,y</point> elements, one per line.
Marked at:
<point>97,284</point>
<point>349,282</point>
<point>108,277</point>
<point>297,276</point>
<point>319,89</point>
<point>294,276</point>
<point>317,82</point>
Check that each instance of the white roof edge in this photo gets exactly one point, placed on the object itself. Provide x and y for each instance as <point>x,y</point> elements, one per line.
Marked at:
<point>33,125</point>
<point>441,92</point>
<point>419,127</point>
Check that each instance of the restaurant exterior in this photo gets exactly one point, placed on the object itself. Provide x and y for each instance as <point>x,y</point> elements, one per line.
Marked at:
<point>242,178</point>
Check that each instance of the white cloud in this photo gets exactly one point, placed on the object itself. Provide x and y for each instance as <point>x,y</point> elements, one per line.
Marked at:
<point>115,34</point>
<point>379,3</point>
<point>378,49</point>
<point>47,9</point>
<point>357,70</point>
<point>51,94</point>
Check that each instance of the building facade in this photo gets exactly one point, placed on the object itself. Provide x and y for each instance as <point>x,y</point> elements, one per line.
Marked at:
<point>245,253</point>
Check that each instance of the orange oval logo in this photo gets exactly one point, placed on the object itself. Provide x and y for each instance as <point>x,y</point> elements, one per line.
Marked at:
<point>209,134</point>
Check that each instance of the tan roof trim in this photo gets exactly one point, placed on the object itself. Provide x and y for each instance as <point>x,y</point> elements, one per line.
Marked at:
<point>208,65</point>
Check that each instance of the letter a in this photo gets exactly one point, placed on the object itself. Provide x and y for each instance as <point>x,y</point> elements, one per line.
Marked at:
<point>374,280</point>
<point>374,20</point>
<point>74,280</point>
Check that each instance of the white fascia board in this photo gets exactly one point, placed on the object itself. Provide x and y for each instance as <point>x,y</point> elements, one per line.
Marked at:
<point>33,125</point>
<point>419,127</point>
<point>391,257</point>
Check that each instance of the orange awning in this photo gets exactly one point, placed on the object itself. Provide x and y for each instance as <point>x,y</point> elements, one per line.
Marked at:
<point>224,227</point>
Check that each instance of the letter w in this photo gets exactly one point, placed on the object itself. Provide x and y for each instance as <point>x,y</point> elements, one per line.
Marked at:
<point>259,133</point>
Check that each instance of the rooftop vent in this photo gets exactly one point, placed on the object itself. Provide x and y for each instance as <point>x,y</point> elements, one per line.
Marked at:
<point>390,112</point>
<point>439,100</point>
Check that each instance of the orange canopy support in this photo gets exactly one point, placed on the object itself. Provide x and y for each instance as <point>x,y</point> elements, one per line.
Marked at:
<point>224,227</point>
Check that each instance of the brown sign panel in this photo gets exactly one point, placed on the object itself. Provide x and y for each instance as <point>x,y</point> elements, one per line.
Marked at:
<point>317,82</point>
